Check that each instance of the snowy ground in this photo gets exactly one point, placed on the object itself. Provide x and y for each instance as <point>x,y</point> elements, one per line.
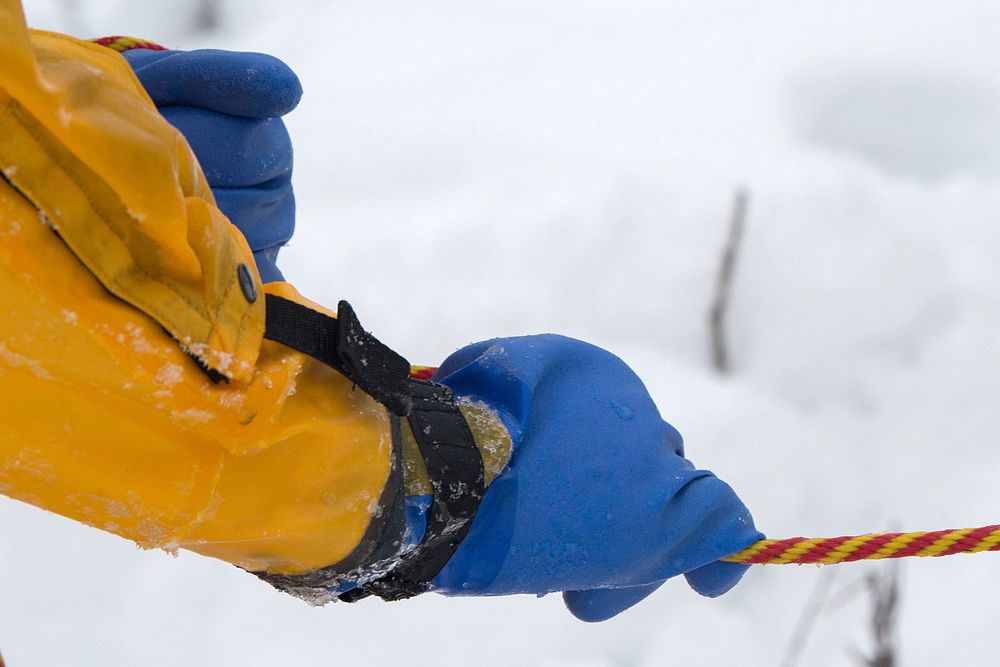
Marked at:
<point>467,170</point>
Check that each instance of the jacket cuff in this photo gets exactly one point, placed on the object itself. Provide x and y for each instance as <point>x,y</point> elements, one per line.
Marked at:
<point>491,437</point>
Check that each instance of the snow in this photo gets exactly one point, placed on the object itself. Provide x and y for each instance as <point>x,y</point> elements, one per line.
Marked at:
<point>470,170</point>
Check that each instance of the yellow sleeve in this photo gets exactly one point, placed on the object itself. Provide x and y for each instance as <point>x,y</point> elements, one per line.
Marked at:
<point>117,272</point>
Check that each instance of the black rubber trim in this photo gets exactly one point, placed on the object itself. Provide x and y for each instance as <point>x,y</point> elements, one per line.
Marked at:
<point>455,467</point>
<point>454,462</point>
<point>381,540</point>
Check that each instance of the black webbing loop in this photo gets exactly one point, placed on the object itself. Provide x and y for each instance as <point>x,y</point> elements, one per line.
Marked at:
<point>341,343</point>
<point>454,463</point>
<point>455,467</point>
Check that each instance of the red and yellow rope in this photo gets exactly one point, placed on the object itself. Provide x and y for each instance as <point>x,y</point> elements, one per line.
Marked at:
<point>422,372</point>
<point>873,546</point>
<point>122,43</point>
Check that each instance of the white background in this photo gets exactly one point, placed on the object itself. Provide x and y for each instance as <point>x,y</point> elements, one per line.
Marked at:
<point>474,169</point>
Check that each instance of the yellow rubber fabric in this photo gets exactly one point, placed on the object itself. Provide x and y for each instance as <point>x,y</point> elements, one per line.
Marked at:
<point>81,140</point>
<point>107,421</point>
<point>103,417</point>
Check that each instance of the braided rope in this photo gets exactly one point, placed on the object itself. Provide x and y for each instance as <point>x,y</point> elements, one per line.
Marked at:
<point>121,43</point>
<point>422,372</point>
<point>873,546</point>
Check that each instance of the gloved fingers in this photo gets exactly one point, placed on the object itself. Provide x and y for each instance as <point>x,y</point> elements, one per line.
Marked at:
<point>227,104</point>
<point>600,604</point>
<point>252,85</point>
<point>234,152</point>
<point>265,214</point>
<point>267,266</point>
<point>703,522</point>
<point>716,578</point>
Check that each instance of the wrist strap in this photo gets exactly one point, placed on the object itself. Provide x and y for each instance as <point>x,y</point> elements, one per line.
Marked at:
<point>455,467</point>
<point>454,463</point>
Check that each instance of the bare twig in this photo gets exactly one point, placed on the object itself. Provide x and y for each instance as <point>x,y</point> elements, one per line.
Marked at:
<point>807,620</point>
<point>845,595</point>
<point>884,591</point>
<point>723,285</point>
<point>208,16</point>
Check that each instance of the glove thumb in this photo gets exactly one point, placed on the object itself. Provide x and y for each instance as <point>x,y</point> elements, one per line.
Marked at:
<point>716,578</point>
<point>600,604</point>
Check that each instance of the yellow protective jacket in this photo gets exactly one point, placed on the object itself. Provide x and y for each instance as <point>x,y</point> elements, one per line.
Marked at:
<point>120,285</point>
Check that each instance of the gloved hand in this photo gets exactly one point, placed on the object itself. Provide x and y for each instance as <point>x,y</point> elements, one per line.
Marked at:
<point>228,106</point>
<point>598,500</point>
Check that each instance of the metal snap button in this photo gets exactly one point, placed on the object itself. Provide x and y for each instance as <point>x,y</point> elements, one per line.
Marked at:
<point>247,283</point>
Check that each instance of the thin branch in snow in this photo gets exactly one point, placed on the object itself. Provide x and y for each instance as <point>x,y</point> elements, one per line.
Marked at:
<point>810,614</point>
<point>883,589</point>
<point>208,15</point>
<point>724,283</point>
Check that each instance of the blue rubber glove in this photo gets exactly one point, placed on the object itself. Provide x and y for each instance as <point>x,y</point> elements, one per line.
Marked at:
<point>598,500</point>
<point>228,106</point>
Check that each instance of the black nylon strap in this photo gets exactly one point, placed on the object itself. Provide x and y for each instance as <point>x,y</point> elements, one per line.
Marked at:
<point>343,344</point>
<point>454,463</point>
<point>455,467</point>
